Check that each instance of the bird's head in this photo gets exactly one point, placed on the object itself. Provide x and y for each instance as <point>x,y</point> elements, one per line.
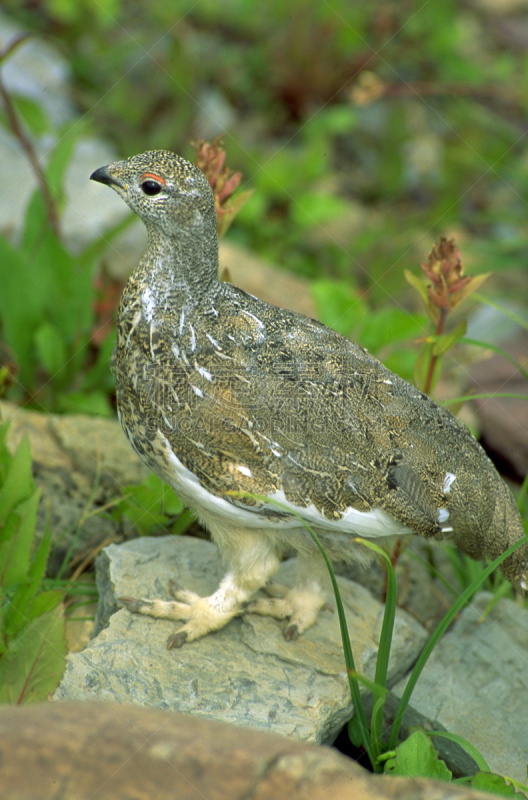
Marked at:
<point>167,192</point>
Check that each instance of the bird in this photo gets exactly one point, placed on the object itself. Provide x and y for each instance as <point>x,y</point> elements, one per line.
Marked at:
<point>265,421</point>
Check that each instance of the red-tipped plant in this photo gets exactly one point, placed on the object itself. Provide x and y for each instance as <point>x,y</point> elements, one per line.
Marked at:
<point>444,288</point>
<point>211,159</point>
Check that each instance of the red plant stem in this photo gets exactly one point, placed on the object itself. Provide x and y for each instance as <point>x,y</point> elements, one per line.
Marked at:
<point>434,359</point>
<point>20,134</point>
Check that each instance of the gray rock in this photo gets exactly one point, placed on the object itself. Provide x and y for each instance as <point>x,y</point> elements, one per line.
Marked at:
<point>476,685</point>
<point>38,71</point>
<point>246,673</point>
<point>80,463</point>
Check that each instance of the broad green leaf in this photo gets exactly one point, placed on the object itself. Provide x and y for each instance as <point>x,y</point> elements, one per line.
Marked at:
<point>389,326</point>
<point>5,455</point>
<point>19,611</point>
<point>164,495</point>
<point>69,287</point>
<point>149,504</point>
<point>18,483</point>
<point>417,283</point>
<point>338,305</point>
<point>470,749</point>
<point>61,155</point>
<point>235,205</point>
<point>15,552</point>
<point>314,208</point>
<point>44,602</point>
<point>99,375</point>
<point>467,290</point>
<point>416,757</point>
<point>185,519</point>
<point>488,782</point>
<point>355,732</point>
<point>93,403</point>
<point>32,113</point>
<point>20,311</point>
<point>50,348</point>
<point>32,667</point>
<point>35,223</point>
<point>446,342</point>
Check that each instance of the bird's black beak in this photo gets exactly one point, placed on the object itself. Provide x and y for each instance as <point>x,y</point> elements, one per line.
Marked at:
<point>102,175</point>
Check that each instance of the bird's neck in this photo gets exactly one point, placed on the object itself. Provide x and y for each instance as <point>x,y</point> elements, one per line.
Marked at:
<point>180,269</point>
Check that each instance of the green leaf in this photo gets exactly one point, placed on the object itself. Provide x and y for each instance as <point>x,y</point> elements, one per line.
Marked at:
<point>444,343</point>
<point>389,326</point>
<point>97,404</point>
<point>50,348</point>
<point>236,203</point>
<point>15,551</point>
<point>148,505</point>
<point>18,485</point>
<point>488,782</point>
<point>185,519</point>
<point>32,113</point>
<point>467,290</point>
<point>338,305</point>
<point>61,155</point>
<point>18,612</point>
<point>32,667</point>
<point>416,757</point>
<point>5,455</point>
<point>99,374</point>
<point>470,749</point>
<point>35,224</point>
<point>44,602</point>
<point>355,732</point>
<point>20,311</point>
<point>314,208</point>
<point>69,287</point>
<point>417,283</point>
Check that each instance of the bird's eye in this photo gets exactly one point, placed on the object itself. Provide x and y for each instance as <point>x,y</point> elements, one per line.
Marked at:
<point>151,188</point>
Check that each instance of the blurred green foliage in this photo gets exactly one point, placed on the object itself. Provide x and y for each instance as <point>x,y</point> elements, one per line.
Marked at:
<point>32,644</point>
<point>151,506</point>
<point>367,131</point>
<point>442,146</point>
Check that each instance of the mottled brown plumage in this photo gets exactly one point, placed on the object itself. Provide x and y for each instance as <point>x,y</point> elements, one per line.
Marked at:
<point>222,394</point>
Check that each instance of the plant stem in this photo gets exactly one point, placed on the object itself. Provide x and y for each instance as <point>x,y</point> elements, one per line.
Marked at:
<point>20,134</point>
<point>439,330</point>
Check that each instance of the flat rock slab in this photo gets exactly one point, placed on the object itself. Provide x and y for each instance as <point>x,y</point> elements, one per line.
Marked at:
<point>246,673</point>
<point>69,751</point>
<point>476,685</point>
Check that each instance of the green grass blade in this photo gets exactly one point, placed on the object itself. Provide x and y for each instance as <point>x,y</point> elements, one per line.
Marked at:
<point>483,396</point>
<point>387,627</point>
<point>515,317</point>
<point>470,749</point>
<point>436,636</point>
<point>432,571</point>
<point>522,493</point>
<point>499,350</point>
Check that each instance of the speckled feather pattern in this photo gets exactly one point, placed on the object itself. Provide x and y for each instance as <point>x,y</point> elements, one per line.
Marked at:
<point>247,397</point>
